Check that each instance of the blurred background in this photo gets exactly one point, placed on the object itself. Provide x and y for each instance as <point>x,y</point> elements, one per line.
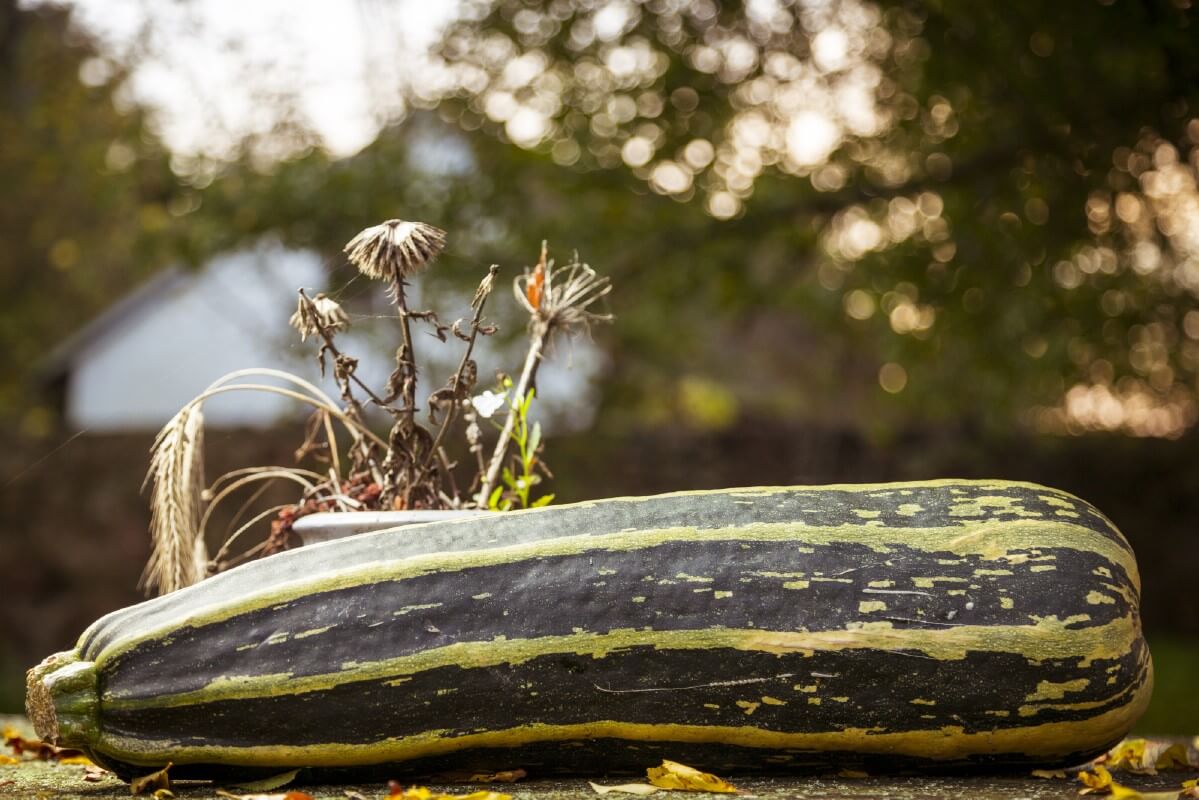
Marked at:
<point>849,241</point>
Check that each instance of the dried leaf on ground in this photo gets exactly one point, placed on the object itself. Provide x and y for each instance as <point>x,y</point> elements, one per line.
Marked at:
<point>36,748</point>
<point>1049,774</point>
<point>424,793</point>
<point>1190,788</point>
<point>1146,756</point>
<point>673,775</point>
<point>352,795</point>
<point>502,776</point>
<point>8,760</point>
<point>292,795</point>
<point>626,788</point>
<point>1099,782</point>
<point>94,774</point>
<point>147,784</point>
<point>266,784</point>
<point>852,774</point>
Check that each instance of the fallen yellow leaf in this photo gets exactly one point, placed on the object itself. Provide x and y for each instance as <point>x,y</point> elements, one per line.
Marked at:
<point>424,793</point>
<point>1100,782</point>
<point>1097,780</point>
<point>1049,773</point>
<point>1190,788</point>
<point>82,761</point>
<point>680,777</point>
<point>8,760</point>
<point>1173,757</point>
<point>852,773</point>
<point>626,788</point>
<point>1146,757</point>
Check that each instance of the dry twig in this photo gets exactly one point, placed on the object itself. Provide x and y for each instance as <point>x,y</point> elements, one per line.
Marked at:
<point>557,300</point>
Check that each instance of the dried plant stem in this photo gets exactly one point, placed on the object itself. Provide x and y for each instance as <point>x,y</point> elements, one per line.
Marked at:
<point>346,394</point>
<point>237,473</point>
<point>557,300</point>
<point>344,375</point>
<point>235,521</point>
<point>528,374</point>
<point>331,438</point>
<point>358,429</point>
<point>253,552</point>
<point>458,382</point>
<point>253,475</point>
<point>218,559</point>
<point>403,429</point>
<point>315,397</point>
<point>271,373</point>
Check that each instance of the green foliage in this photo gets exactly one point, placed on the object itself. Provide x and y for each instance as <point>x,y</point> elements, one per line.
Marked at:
<point>517,485</point>
<point>1003,232</point>
<point>1008,222</point>
<point>1175,705</point>
<point>89,200</point>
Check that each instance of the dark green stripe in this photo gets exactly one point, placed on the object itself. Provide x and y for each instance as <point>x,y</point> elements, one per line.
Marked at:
<point>886,692</point>
<point>896,506</point>
<point>678,586</point>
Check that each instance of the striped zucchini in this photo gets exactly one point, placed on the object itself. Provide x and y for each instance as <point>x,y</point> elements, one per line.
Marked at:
<point>933,625</point>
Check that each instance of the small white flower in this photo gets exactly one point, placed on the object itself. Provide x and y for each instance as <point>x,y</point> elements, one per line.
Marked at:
<point>489,402</point>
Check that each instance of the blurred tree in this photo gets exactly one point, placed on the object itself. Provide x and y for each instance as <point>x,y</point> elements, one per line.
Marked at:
<point>848,211</point>
<point>993,208</point>
<point>88,193</point>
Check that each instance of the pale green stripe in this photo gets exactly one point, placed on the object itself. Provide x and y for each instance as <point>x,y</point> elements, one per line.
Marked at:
<point>1047,638</point>
<point>988,539</point>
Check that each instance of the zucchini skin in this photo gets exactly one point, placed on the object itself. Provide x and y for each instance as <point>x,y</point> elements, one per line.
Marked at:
<point>924,626</point>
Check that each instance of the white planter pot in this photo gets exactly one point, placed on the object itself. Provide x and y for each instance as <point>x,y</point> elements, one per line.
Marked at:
<point>329,525</point>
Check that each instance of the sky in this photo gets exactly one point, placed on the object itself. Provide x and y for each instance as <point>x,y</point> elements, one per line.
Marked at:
<point>205,67</point>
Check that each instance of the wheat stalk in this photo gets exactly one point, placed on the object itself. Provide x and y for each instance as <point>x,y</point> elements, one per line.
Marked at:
<point>178,557</point>
<point>178,554</point>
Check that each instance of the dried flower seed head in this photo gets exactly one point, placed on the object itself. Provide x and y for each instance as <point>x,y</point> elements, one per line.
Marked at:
<point>561,297</point>
<point>395,249</point>
<point>319,314</point>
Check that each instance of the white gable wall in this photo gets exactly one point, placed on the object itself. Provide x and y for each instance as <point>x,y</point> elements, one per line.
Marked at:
<point>231,315</point>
